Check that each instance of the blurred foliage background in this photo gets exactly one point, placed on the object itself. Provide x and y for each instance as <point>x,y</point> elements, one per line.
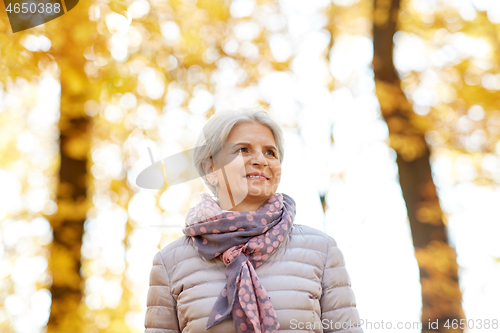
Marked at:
<point>390,107</point>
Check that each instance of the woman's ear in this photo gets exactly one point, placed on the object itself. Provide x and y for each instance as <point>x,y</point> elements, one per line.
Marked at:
<point>210,173</point>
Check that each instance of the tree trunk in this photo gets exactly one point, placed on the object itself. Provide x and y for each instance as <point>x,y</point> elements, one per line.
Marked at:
<point>441,295</point>
<point>67,289</point>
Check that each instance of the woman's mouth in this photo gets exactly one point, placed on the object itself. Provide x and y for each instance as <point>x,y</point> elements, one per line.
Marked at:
<point>257,178</point>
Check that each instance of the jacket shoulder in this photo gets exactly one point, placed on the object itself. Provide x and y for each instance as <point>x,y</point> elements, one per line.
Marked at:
<point>307,230</point>
<point>178,250</point>
<point>182,241</point>
<point>311,237</point>
<point>325,246</point>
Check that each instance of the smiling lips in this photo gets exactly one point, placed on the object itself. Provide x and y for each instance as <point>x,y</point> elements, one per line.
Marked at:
<point>257,176</point>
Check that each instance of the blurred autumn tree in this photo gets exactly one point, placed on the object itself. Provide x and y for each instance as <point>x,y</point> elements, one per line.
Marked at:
<point>441,295</point>
<point>74,32</point>
<point>462,98</point>
<point>68,42</point>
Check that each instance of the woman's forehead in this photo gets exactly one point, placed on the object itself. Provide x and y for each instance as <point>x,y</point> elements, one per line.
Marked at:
<point>251,133</point>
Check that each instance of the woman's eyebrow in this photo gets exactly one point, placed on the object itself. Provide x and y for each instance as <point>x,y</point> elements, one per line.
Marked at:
<point>249,144</point>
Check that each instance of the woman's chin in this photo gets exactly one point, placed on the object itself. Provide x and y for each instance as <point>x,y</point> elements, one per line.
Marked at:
<point>259,194</point>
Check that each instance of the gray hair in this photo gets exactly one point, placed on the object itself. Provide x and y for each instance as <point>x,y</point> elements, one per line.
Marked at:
<point>217,129</point>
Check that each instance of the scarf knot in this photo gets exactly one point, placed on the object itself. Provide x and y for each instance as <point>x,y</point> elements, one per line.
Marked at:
<point>243,241</point>
<point>234,251</point>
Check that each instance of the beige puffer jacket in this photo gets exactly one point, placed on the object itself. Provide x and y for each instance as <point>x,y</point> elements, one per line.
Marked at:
<point>306,279</point>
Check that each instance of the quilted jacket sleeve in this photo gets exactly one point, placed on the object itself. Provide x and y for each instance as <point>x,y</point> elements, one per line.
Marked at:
<point>161,314</point>
<point>338,304</point>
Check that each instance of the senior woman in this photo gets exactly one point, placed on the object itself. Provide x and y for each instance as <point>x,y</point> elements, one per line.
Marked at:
<point>243,265</point>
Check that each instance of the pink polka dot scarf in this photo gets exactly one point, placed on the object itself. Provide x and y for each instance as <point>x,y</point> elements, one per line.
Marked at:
<point>244,241</point>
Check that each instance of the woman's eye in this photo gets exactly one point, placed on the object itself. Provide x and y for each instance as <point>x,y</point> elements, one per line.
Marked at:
<point>271,151</point>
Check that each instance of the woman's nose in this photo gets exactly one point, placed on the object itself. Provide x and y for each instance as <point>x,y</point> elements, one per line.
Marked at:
<point>259,158</point>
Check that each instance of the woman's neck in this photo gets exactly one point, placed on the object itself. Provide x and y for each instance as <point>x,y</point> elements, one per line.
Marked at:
<point>244,206</point>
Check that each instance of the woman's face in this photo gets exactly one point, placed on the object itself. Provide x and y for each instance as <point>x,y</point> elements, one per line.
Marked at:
<point>256,154</point>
